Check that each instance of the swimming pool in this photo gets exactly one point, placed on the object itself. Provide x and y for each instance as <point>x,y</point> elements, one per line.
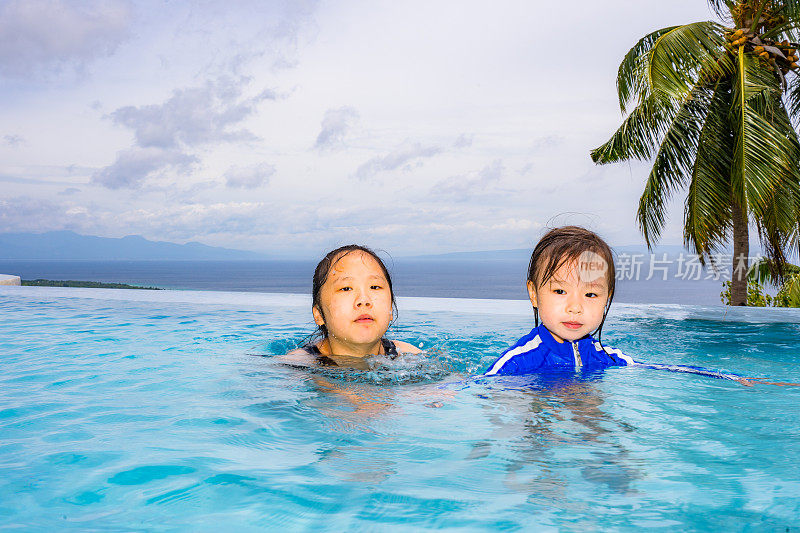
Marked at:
<point>147,409</point>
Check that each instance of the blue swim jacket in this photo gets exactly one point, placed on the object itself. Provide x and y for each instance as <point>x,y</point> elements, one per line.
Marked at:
<point>538,351</point>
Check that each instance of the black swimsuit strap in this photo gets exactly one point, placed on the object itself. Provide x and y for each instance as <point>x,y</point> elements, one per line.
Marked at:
<point>312,349</point>
<point>389,348</point>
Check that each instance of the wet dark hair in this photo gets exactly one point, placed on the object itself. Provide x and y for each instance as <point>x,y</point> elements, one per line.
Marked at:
<point>322,272</point>
<point>564,245</point>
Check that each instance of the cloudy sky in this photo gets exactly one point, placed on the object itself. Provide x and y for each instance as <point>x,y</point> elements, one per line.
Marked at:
<point>292,127</point>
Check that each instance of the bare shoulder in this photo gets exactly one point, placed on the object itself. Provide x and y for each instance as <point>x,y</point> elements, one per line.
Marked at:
<point>298,357</point>
<point>404,347</point>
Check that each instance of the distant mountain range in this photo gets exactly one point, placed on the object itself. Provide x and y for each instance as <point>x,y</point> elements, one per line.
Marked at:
<point>525,253</point>
<point>72,246</point>
<point>68,245</point>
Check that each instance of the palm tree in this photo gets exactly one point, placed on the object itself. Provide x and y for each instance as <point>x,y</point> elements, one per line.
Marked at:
<point>789,287</point>
<point>715,106</point>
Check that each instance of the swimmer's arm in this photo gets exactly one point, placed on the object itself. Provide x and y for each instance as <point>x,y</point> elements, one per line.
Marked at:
<point>746,381</point>
<point>405,347</point>
<point>761,381</point>
<point>298,357</point>
<point>697,370</point>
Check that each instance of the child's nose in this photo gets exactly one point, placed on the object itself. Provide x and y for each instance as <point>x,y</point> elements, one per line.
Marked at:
<point>363,299</point>
<point>574,305</point>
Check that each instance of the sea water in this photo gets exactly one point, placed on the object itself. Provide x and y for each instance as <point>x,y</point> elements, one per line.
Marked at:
<point>132,410</point>
<point>482,279</point>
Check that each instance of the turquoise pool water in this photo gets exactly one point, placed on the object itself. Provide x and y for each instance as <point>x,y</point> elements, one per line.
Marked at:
<point>131,410</point>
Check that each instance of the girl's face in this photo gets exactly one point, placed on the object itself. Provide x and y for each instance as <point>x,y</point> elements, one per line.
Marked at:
<point>571,303</point>
<point>355,305</point>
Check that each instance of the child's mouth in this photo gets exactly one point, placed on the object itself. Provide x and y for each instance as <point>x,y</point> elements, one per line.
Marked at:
<point>364,319</point>
<point>572,325</point>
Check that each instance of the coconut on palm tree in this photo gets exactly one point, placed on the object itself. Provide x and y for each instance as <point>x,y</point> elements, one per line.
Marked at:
<point>714,105</point>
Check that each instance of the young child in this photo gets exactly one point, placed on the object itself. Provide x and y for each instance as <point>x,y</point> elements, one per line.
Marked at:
<point>570,284</point>
<point>353,306</point>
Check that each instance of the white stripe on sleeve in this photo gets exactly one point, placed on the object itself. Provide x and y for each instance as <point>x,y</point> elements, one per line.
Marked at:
<point>629,360</point>
<point>528,346</point>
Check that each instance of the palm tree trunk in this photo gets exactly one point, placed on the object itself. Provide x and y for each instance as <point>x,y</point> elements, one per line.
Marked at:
<point>741,251</point>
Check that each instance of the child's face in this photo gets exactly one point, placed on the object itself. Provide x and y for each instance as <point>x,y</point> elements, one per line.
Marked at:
<point>355,303</point>
<point>571,304</point>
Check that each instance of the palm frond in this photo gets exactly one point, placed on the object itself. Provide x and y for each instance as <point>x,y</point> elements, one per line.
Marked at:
<point>789,9</point>
<point>678,56</point>
<point>773,236</point>
<point>721,7</point>
<point>792,291</point>
<point>779,227</point>
<point>707,214</point>
<point>792,244</point>
<point>672,168</point>
<point>789,30</point>
<point>705,232</point>
<point>632,77</point>
<point>762,160</point>
<point>640,133</point>
<point>793,99</point>
<point>762,271</point>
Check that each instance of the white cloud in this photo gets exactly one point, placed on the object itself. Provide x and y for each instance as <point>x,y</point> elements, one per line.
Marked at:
<point>249,177</point>
<point>464,188</point>
<point>167,133</point>
<point>335,126</point>
<point>64,175</point>
<point>133,167</point>
<point>40,35</point>
<point>26,214</point>
<point>463,141</point>
<point>547,142</point>
<point>296,229</point>
<point>403,157</point>
<point>193,116</point>
<point>13,140</point>
<point>456,142</point>
<point>181,222</point>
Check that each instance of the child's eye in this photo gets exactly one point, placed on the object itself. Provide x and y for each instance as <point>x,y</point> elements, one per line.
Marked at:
<point>377,287</point>
<point>346,289</point>
<point>559,291</point>
<point>591,295</point>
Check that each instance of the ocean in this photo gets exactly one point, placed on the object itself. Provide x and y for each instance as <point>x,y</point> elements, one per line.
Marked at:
<point>472,278</point>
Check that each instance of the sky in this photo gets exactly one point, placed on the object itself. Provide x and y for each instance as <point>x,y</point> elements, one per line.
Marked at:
<point>292,127</point>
